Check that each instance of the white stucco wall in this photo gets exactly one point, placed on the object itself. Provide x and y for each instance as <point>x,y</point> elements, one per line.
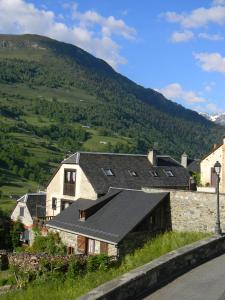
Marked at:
<point>26,219</point>
<point>83,188</point>
<point>207,163</point>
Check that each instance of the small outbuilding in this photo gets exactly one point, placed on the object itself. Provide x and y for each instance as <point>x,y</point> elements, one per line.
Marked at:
<point>114,224</point>
<point>30,210</point>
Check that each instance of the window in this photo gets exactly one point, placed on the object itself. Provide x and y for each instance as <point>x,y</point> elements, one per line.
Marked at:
<point>82,215</point>
<point>70,176</point>
<point>21,211</point>
<point>54,203</point>
<point>168,173</point>
<point>132,173</point>
<point>154,173</point>
<point>69,182</point>
<point>91,246</point>
<point>108,172</point>
<point>65,204</point>
<point>70,250</point>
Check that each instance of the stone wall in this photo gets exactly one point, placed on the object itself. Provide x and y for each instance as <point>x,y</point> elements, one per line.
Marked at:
<point>193,211</point>
<point>159,272</point>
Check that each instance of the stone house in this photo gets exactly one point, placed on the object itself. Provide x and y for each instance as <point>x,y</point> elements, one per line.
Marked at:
<point>208,175</point>
<point>89,175</point>
<point>114,224</point>
<point>30,209</point>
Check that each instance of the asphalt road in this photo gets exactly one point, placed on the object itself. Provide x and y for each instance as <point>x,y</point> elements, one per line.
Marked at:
<point>206,282</point>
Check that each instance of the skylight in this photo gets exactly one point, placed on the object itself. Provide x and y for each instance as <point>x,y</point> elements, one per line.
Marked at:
<point>154,173</point>
<point>132,173</point>
<point>108,172</point>
<point>168,173</point>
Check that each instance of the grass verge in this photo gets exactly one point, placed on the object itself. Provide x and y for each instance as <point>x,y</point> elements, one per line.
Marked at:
<point>59,289</point>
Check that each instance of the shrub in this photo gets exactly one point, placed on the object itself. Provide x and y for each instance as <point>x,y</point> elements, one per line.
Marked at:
<point>17,229</point>
<point>50,244</point>
<point>76,267</point>
<point>98,262</point>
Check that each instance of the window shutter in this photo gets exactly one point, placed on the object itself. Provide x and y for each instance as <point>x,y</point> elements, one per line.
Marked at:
<point>103,248</point>
<point>82,244</point>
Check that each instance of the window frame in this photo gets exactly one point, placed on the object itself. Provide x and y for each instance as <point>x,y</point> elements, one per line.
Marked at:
<point>22,209</point>
<point>54,203</point>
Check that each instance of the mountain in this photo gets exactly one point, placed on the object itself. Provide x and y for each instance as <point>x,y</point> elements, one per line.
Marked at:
<point>216,118</point>
<point>56,98</point>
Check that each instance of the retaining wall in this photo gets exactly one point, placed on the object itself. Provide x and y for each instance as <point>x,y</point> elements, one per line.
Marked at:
<point>158,272</point>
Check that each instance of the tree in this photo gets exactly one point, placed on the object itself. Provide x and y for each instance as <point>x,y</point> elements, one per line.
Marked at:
<point>17,229</point>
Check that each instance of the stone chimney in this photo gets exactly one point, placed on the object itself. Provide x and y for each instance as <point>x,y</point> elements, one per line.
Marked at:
<point>184,160</point>
<point>152,157</point>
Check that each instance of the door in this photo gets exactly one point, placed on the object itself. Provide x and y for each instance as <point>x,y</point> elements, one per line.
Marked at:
<point>213,178</point>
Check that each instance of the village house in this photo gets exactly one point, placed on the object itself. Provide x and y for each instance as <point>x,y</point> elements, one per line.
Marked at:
<point>192,165</point>
<point>30,210</point>
<point>89,175</point>
<point>114,224</point>
<point>208,175</point>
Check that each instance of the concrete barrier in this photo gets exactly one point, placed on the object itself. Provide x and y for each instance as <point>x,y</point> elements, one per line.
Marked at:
<point>158,272</point>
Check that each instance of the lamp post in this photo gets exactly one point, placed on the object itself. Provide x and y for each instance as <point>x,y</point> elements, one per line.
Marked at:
<point>217,168</point>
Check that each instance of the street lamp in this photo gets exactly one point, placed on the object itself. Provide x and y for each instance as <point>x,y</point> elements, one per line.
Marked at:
<point>217,168</point>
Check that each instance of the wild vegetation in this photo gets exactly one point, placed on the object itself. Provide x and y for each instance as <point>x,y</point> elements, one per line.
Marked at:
<point>58,282</point>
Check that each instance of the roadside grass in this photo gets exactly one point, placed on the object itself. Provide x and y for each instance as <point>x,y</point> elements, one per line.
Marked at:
<point>6,277</point>
<point>59,289</point>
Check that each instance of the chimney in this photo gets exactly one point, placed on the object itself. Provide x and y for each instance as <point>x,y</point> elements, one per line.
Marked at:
<point>152,157</point>
<point>184,160</point>
<point>224,139</point>
<point>216,146</point>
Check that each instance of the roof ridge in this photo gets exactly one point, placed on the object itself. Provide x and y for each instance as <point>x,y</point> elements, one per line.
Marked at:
<point>109,153</point>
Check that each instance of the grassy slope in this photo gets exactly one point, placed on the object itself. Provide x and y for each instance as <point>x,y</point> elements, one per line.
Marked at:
<point>71,289</point>
<point>35,145</point>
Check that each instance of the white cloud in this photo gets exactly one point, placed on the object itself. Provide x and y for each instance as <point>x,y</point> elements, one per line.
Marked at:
<point>109,25</point>
<point>19,16</point>
<point>213,108</point>
<point>175,92</point>
<point>218,2</point>
<point>182,36</point>
<point>210,37</point>
<point>199,17</point>
<point>211,62</point>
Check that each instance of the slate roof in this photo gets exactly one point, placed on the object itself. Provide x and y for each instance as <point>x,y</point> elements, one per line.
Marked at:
<point>36,204</point>
<point>193,165</point>
<point>93,164</point>
<point>114,219</point>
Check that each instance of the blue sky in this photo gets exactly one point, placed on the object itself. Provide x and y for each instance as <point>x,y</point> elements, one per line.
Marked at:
<point>173,46</point>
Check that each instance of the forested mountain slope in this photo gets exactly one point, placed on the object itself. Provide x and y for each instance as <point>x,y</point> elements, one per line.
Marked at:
<point>55,98</point>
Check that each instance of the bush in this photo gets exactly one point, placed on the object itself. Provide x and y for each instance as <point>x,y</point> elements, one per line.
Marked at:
<point>17,229</point>
<point>50,244</point>
<point>98,262</point>
<point>76,267</point>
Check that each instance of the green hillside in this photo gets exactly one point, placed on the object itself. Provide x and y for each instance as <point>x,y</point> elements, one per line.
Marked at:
<point>56,98</point>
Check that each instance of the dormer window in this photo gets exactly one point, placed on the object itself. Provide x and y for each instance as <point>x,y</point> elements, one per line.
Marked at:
<point>153,173</point>
<point>82,215</point>
<point>108,172</point>
<point>132,173</point>
<point>168,173</point>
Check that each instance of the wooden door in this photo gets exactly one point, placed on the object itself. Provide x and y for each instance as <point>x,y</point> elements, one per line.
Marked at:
<point>213,177</point>
<point>82,244</point>
<point>103,248</point>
